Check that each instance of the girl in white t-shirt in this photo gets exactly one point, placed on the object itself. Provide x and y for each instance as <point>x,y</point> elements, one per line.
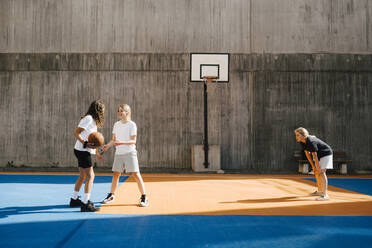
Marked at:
<point>83,150</point>
<point>124,136</point>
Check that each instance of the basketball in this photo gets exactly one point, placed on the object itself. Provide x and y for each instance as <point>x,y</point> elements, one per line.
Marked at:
<point>96,138</point>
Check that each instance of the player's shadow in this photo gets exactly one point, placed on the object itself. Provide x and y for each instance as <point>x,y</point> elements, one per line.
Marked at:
<point>266,200</point>
<point>118,205</point>
<point>8,211</point>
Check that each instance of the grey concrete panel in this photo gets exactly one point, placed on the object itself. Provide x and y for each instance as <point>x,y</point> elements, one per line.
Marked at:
<point>287,26</point>
<point>252,118</point>
<point>168,26</point>
<point>93,62</point>
<point>125,26</point>
<point>4,25</point>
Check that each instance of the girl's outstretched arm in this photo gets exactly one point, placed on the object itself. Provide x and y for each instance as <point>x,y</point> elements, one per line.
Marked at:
<point>132,141</point>
<point>110,144</point>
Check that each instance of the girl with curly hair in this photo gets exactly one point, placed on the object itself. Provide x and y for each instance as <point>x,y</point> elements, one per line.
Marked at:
<point>83,150</point>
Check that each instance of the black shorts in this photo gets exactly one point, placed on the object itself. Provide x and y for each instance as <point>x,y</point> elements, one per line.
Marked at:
<point>84,158</point>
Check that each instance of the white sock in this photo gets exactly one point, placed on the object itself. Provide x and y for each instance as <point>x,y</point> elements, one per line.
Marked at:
<point>75,195</point>
<point>86,198</point>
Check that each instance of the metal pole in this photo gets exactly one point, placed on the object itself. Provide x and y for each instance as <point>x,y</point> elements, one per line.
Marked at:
<point>206,145</point>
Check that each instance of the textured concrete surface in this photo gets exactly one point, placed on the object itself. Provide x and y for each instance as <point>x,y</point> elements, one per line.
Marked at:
<point>198,158</point>
<point>252,117</point>
<point>168,26</point>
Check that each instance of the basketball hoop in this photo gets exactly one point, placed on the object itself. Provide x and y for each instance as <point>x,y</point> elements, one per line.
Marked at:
<point>208,68</point>
<point>209,79</point>
<point>214,66</point>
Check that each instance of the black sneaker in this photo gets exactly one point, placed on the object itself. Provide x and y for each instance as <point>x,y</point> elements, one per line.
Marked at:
<point>144,202</point>
<point>109,198</point>
<point>75,203</point>
<point>89,207</point>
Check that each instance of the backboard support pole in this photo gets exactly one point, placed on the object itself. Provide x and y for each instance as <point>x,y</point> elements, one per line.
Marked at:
<point>206,80</point>
<point>206,145</point>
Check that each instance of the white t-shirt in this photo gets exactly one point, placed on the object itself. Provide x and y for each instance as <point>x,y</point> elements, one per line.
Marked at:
<point>89,125</point>
<point>122,132</point>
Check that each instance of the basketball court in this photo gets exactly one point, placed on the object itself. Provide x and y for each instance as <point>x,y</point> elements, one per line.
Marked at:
<point>213,91</point>
<point>187,210</point>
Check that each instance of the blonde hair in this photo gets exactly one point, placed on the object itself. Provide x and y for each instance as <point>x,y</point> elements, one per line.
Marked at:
<point>126,108</point>
<point>302,131</point>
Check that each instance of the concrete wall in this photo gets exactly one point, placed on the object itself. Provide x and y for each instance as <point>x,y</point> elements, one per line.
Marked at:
<point>252,117</point>
<point>168,26</point>
<point>293,62</point>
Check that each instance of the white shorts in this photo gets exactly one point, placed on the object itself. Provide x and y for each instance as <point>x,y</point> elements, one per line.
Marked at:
<point>326,162</point>
<point>128,161</point>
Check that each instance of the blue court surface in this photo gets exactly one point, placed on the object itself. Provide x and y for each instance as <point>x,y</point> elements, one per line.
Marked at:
<point>34,212</point>
<point>360,185</point>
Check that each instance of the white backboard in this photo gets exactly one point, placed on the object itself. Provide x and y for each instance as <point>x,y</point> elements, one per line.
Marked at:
<point>209,64</point>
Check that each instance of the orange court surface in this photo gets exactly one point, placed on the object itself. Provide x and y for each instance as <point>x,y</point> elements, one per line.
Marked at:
<point>211,194</point>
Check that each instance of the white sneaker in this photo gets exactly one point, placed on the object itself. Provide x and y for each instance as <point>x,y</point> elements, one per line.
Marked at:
<point>311,173</point>
<point>144,202</point>
<point>323,198</point>
<point>109,198</point>
<point>315,193</point>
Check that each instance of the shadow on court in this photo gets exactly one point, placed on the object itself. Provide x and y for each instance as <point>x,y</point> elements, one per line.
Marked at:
<point>8,211</point>
<point>121,205</point>
<point>360,185</point>
<point>265,200</point>
<point>192,231</point>
<point>329,209</point>
<point>51,179</point>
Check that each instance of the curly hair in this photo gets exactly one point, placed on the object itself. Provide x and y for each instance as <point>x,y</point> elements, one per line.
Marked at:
<point>96,110</point>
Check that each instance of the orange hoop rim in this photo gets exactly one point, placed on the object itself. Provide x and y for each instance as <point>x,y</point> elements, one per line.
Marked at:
<point>210,79</point>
